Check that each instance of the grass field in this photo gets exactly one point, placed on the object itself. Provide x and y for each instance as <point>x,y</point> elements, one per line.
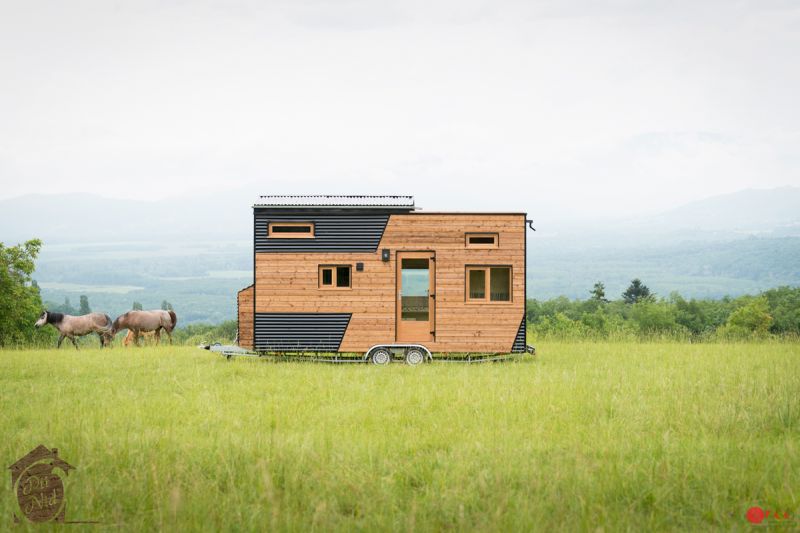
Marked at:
<point>637,437</point>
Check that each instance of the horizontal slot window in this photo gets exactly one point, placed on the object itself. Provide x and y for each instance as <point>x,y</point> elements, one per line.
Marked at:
<point>482,240</point>
<point>291,230</point>
<point>335,276</point>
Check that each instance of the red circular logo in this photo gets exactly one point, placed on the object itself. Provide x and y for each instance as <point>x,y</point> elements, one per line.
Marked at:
<point>755,515</point>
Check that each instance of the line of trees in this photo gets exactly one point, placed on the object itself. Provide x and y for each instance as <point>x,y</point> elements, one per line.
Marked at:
<point>639,313</point>
<point>67,308</point>
<point>84,307</point>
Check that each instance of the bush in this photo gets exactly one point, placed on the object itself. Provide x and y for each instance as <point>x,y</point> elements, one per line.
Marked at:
<point>655,318</point>
<point>750,320</point>
<point>195,334</point>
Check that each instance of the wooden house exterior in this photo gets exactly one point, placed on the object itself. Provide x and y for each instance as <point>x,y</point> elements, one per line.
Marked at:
<point>344,274</point>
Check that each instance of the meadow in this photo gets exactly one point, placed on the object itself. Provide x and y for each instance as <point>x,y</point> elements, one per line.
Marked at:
<point>583,436</point>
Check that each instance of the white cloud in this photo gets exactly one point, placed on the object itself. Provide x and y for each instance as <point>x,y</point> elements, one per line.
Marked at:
<point>583,107</point>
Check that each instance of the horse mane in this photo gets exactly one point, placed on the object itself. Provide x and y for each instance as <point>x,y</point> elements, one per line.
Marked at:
<point>115,324</point>
<point>54,318</point>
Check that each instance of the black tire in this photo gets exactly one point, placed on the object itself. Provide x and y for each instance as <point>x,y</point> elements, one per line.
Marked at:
<point>380,356</point>
<point>415,356</point>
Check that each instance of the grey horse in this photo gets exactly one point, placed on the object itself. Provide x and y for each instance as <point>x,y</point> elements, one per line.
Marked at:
<point>77,326</point>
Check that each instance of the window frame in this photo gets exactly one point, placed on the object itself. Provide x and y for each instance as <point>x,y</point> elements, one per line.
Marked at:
<point>334,277</point>
<point>290,235</point>
<point>482,246</point>
<point>487,299</point>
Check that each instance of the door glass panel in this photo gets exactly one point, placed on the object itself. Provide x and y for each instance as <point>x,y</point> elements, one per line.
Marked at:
<point>500,281</point>
<point>477,284</point>
<point>414,286</point>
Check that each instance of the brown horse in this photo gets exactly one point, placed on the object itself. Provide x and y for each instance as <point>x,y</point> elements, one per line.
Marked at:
<point>77,326</point>
<point>129,338</point>
<point>143,321</point>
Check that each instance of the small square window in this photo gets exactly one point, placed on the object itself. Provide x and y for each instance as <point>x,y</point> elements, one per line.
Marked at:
<point>488,284</point>
<point>291,230</point>
<point>335,277</point>
<point>482,240</point>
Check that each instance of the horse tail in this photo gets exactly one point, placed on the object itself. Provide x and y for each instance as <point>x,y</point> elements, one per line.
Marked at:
<point>109,324</point>
<point>174,319</point>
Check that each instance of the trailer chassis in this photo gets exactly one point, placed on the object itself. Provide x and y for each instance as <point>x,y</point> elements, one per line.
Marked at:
<point>379,354</point>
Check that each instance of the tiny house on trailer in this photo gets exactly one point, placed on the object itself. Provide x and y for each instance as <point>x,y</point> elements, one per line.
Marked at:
<point>374,275</point>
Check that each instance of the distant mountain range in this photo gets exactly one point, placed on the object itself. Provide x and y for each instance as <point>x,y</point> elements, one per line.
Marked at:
<point>197,252</point>
<point>74,218</point>
<point>83,218</point>
<point>752,211</point>
<point>730,244</point>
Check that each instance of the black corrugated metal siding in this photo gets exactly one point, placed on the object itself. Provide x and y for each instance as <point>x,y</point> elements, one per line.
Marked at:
<point>519,340</point>
<point>308,332</point>
<point>342,231</point>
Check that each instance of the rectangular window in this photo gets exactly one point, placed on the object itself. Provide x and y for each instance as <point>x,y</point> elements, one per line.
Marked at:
<point>488,284</point>
<point>291,230</point>
<point>482,240</point>
<point>334,277</point>
<point>500,284</point>
<point>343,276</point>
<point>477,283</point>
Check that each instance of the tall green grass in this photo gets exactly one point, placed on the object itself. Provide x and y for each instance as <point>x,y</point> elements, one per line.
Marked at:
<point>660,436</point>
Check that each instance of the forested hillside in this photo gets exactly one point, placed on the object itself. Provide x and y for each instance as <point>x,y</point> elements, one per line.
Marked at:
<point>198,254</point>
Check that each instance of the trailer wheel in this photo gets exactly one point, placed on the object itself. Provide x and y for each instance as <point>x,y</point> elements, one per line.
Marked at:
<point>414,357</point>
<point>381,356</point>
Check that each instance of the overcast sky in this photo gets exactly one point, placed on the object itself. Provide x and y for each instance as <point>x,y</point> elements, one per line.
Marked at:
<point>589,106</point>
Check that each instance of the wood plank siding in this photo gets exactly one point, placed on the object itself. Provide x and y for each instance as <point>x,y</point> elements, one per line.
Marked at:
<point>245,306</point>
<point>287,282</point>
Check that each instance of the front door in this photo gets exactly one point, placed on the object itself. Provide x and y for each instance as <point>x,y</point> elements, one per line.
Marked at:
<point>415,296</point>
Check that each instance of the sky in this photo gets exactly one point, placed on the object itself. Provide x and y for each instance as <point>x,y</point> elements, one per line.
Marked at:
<point>571,106</point>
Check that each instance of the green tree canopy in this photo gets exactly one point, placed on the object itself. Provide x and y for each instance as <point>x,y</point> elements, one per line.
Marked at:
<point>636,292</point>
<point>784,305</point>
<point>20,301</point>
<point>65,307</point>
<point>137,306</point>
<point>598,292</point>
<point>752,319</point>
<point>84,308</point>
<point>689,314</point>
